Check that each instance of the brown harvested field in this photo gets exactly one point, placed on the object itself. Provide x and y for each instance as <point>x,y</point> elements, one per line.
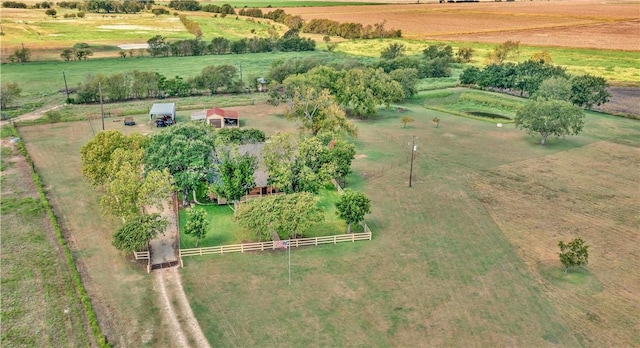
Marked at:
<point>574,23</point>
<point>589,192</point>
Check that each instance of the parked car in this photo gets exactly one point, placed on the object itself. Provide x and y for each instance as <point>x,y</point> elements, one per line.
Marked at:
<point>128,121</point>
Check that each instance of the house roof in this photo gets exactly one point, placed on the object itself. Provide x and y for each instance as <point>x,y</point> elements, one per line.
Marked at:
<point>224,113</point>
<point>163,109</point>
<point>260,176</point>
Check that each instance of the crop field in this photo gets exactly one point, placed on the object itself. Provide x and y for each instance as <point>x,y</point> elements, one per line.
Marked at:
<point>573,23</point>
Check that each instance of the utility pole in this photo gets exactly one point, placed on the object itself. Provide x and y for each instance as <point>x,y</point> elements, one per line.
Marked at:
<point>413,152</point>
<point>66,88</point>
<point>101,107</point>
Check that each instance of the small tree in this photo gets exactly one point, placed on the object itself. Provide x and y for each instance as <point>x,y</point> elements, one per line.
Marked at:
<point>550,117</point>
<point>352,207</point>
<point>8,93</point>
<point>573,253</point>
<point>406,119</point>
<point>50,12</point>
<point>436,120</point>
<point>136,233</point>
<point>197,225</point>
<point>53,116</point>
<point>393,51</point>
<point>465,54</point>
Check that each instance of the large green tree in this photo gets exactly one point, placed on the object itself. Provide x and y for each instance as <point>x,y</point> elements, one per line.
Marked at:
<point>217,77</point>
<point>96,154</point>
<point>128,192</point>
<point>185,150</point>
<point>363,90</point>
<point>137,232</point>
<point>558,88</point>
<point>550,117</point>
<point>298,164</point>
<point>197,225</point>
<point>234,176</point>
<point>317,111</point>
<point>287,215</point>
<point>352,207</point>
<point>588,90</point>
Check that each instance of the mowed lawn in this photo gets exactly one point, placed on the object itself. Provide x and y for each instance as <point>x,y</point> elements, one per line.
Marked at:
<point>439,272</point>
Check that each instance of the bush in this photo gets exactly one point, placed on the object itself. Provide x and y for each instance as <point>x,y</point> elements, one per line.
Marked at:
<point>13,4</point>
<point>50,12</point>
<point>81,14</point>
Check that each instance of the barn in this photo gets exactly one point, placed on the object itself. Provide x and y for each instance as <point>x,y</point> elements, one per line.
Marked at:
<point>220,118</point>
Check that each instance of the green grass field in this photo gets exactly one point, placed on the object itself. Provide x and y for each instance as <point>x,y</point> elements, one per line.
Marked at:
<point>618,67</point>
<point>39,303</point>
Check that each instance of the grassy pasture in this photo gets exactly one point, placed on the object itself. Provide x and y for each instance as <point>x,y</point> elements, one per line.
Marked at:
<point>618,67</point>
<point>440,270</point>
<point>39,303</point>
<point>45,78</point>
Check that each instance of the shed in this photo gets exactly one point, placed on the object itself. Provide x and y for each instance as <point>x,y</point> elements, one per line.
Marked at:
<point>162,110</point>
<point>220,118</point>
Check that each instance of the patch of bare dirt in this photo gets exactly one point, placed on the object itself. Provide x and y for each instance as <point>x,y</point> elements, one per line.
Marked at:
<point>624,101</point>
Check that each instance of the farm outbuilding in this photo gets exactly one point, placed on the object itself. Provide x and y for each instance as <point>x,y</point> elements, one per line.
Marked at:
<point>163,110</point>
<point>220,118</point>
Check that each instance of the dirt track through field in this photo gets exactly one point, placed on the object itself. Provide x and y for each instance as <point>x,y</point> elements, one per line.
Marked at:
<point>175,309</point>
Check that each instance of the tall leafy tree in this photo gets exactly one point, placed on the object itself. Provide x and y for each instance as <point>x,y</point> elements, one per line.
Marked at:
<point>317,111</point>
<point>96,154</point>
<point>234,176</point>
<point>550,117</point>
<point>137,232</point>
<point>197,225</point>
<point>217,77</point>
<point>352,207</point>
<point>573,253</point>
<point>363,90</point>
<point>558,88</point>
<point>185,151</point>
<point>287,215</point>
<point>298,164</point>
<point>588,90</point>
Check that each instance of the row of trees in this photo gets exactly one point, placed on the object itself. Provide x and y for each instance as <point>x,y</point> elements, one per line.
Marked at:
<point>147,84</point>
<point>289,42</point>
<point>349,30</point>
<point>527,77</point>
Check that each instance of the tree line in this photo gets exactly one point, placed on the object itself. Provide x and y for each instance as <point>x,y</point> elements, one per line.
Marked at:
<point>526,79</point>
<point>289,42</point>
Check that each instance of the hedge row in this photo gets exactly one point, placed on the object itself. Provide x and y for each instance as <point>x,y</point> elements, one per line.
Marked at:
<point>91,314</point>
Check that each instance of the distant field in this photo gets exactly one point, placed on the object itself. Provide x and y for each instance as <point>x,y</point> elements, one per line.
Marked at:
<point>47,36</point>
<point>572,23</point>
